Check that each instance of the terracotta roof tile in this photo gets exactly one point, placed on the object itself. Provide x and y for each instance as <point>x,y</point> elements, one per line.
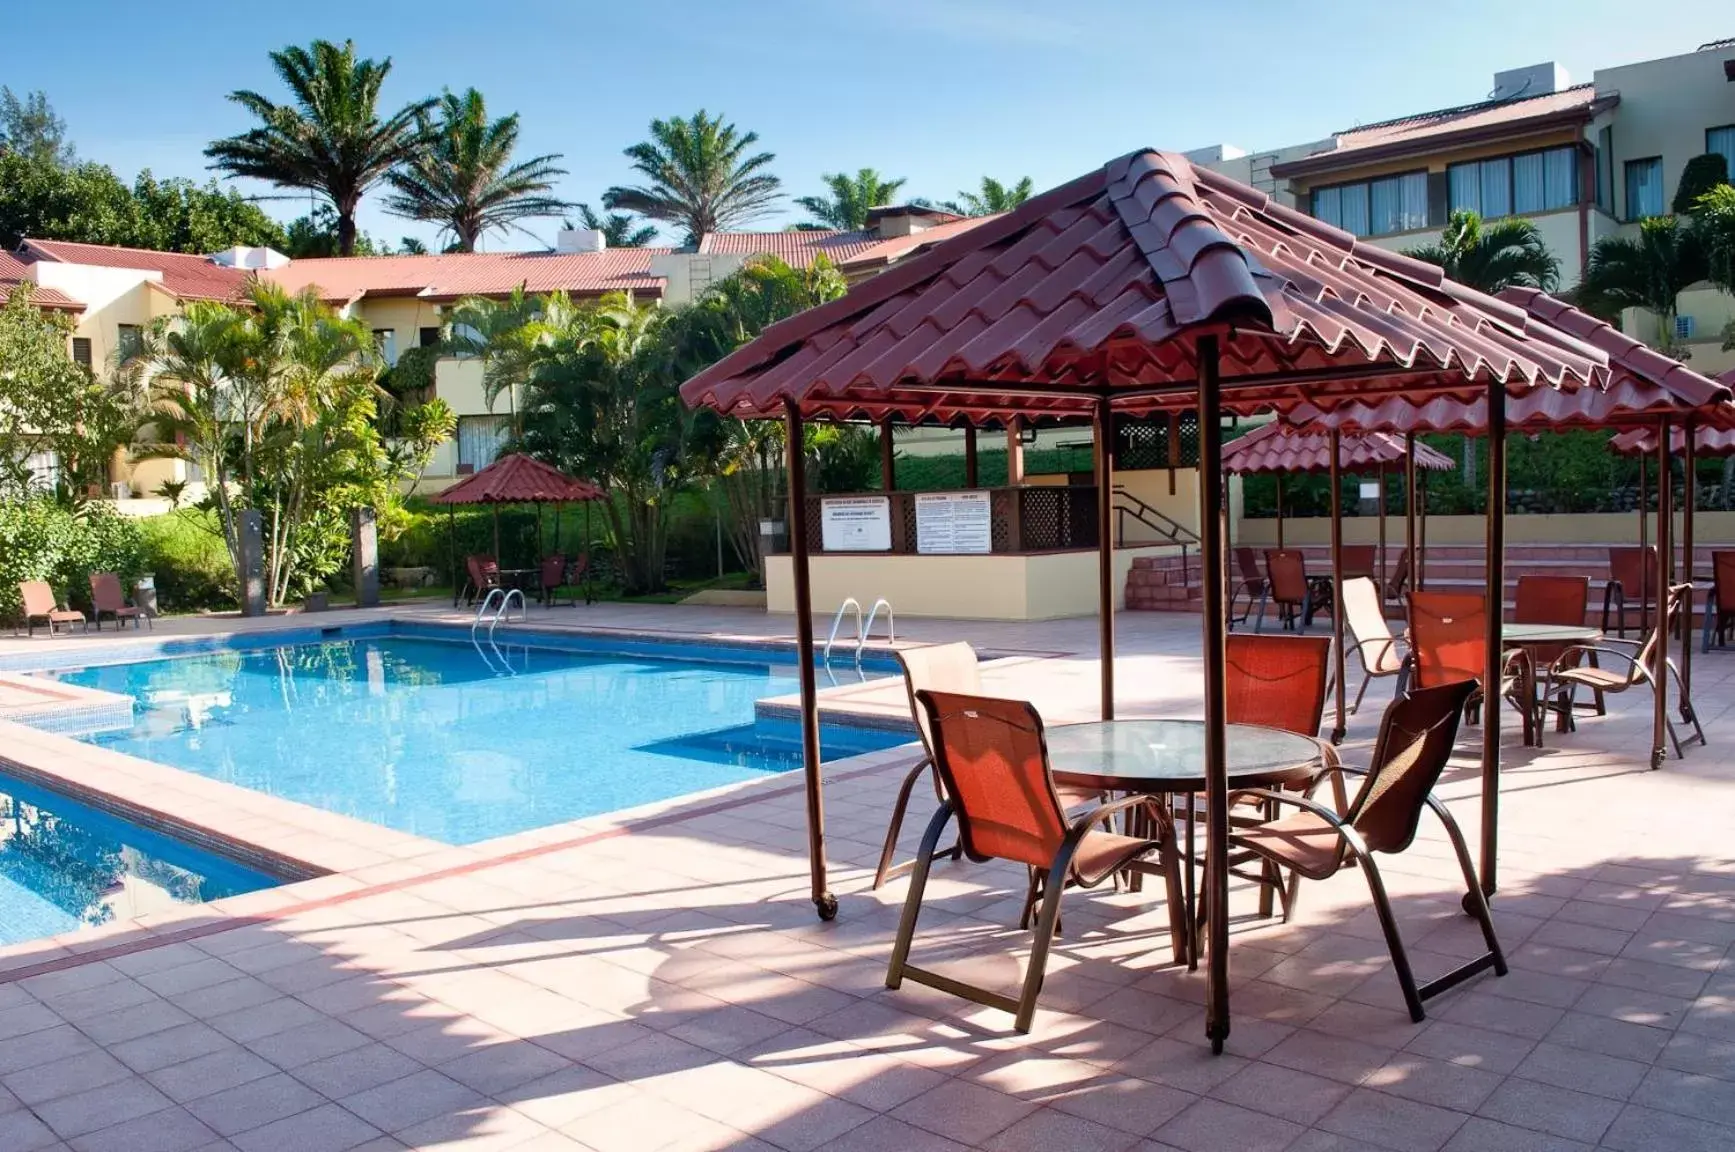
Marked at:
<point>795,248</point>
<point>890,251</point>
<point>1707,441</point>
<point>14,271</point>
<point>1102,282</point>
<point>187,276</point>
<point>449,276</point>
<point>1281,448</point>
<point>517,479</point>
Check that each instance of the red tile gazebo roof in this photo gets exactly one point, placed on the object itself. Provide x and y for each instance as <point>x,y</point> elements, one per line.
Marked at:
<point>517,479</point>
<point>1283,449</point>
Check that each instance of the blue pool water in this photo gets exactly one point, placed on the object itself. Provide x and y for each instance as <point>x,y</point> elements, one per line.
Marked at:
<point>65,866</point>
<point>436,738</point>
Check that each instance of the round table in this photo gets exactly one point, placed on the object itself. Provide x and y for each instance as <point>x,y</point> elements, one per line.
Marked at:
<point>1167,757</point>
<point>1549,633</point>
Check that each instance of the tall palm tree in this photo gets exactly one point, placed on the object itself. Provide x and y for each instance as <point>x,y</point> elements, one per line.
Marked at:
<point>990,199</point>
<point>846,209</point>
<point>330,140</point>
<point>1649,271</point>
<point>1490,257</point>
<point>619,229</point>
<point>464,178</point>
<point>699,176</point>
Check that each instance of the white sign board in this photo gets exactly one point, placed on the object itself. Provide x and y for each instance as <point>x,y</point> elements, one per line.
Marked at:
<point>953,522</point>
<point>855,524</point>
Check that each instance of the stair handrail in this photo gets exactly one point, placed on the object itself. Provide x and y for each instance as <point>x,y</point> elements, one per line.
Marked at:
<point>867,629</point>
<point>1158,521</point>
<point>837,622</point>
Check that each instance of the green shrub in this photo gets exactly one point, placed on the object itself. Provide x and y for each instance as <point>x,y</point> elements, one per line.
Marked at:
<point>185,551</point>
<point>41,539</point>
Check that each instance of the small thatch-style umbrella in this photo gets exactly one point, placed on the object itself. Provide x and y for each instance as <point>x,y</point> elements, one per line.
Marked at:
<point>513,479</point>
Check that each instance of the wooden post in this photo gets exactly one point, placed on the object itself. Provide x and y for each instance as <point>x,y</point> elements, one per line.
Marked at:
<point>972,478</point>
<point>1382,554</point>
<point>1644,542</point>
<point>1665,560</point>
<point>1495,546</point>
<point>888,465</point>
<point>1214,627</point>
<point>1690,498</point>
<point>1421,529</point>
<point>823,901</point>
<point>1336,472</point>
<point>1014,453</point>
<point>1104,432</point>
<point>1411,505</point>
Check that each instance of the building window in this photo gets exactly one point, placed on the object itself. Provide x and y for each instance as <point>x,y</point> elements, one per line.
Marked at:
<point>1517,185</point>
<point>81,350</point>
<point>1722,141</point>
<point>427,337</point>
<point>1375,207</point>
<point>479,441</point>
<point>1605,170</point>
<point>1644,188</point>
<point>43,469</point>
<point>387,341</point>
<point>129,341</point>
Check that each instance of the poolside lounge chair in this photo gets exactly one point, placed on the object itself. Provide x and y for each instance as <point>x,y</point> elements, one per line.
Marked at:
<point>993,764</point>
<point>40,604</point>
<point>106,598</point>
<point>1400,578</point>
<point>1414,744</point>
<point>1287,585</point>
<point>1633,666</point>
<point>1449,643</point>
<point>1632,583</point>
<point>1718,618</point>
<point>1251,584</point>
<point>1364,618</point>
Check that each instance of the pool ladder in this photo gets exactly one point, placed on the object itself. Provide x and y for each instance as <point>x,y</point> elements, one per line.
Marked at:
<point>497,606</point>
<point>862,631</point>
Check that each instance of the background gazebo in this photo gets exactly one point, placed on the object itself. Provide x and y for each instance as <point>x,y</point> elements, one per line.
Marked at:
<point>513,479</point>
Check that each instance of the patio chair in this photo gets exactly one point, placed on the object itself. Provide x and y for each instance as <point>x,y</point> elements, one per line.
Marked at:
<point>1719,619</point>
<point>554,575</point>
<point>483,577</point>
<point>1572,671</point>
<point>1400,578</point>
<point>940,668</point>
<point>1413,747</point>
<point>1553,600</point>
<point>1632,582</point>
<point>992,761</point>
<point>40,604</point>
<point>1359,560</point>
<point>1381,653</point>
<point>1286,584</point>
<point>1449,643</point>
<point>107,598</point>
<point>1251,584</point>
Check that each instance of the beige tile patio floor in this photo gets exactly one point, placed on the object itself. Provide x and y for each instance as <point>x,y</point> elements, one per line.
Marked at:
<point>670,988</point>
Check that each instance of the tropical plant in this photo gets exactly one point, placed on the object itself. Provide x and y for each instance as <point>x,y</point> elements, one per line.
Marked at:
<point>330,140</point>
<point>1490,257</point>
<point>463,178</point>
<point>1649,272</point>
<point>29,127</point>
<point>990,199</point>
<point>846,206</point>
<point>1714,223</point>
<point>699,176</point>
<point>619,229</point>
<point>506,335</point>
<point>45,539</point>
<point>1699,176</point>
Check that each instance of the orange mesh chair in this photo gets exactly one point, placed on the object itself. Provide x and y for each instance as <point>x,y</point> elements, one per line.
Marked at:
<point>552,578</point>
<point>1720,607</point>
<point>1364,618</point>
<point>483,577</point>
<point>1400,579</point>
<point>940,668</point>
<point>1632,581</point>
<point>1572,671</point>
<point>1358,560</point>
<point>1286,584</point>
<point>1449,642</point>
<point>107,598</point>
<point>1553,600</point>
<point>992,761</point>
<point>1252,584</point>
<point>1414,744</point>
<point>40,604</point>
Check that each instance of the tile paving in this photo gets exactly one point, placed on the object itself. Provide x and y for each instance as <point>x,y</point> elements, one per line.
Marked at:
<point>670,988</point>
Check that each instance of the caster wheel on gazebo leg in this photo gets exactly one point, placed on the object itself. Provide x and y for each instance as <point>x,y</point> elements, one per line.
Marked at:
<point>1658,755</point>
<point>826,906</point>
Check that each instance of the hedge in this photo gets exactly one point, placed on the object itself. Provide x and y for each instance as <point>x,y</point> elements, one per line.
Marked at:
<point>41,539</point>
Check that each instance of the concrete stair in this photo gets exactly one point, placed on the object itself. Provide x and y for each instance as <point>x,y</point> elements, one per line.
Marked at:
<point>1159,584</point>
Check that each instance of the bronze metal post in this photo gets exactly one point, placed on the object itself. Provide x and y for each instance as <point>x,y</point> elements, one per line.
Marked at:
<point>1382,552</point>
<point>1411,503</point>
<point>1495,593</point>
<point>1421,529</point>
<point>1644,542</point>
<point>1690,499</point>
<point>1104,431</point>
<point>1665,560</point>
<point>971,475</point>
<point>1216,711</point>
<point>1337,660</point>
<point>1280,511</point>
<point>888,466</point>
<point>823,900</point>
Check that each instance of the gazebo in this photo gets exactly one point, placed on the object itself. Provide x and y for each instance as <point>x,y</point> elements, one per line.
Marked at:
<point>1145,285</point>
<point>511,479</point>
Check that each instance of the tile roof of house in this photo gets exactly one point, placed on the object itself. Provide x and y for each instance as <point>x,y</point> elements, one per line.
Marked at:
<point>795,248</point>
<point>187,276</point>
<point>1108,282</point>
<point>452,275</point>
<point>14,271</point>
<point>897,247</point>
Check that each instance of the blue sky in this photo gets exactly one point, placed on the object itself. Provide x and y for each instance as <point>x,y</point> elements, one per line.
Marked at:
<point>937,91</point>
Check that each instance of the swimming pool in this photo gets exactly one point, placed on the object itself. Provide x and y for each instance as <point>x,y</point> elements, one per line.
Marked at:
<point>65,866</point>
<point>416,731</point>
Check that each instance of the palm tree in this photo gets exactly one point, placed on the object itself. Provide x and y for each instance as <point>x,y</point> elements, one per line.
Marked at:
<point>464,178</point>
<point>619,229</point>
<point>846,209</point>
<point>1649,271</point>
<point>699,175</point>
<point>991,199</point>
<point>330,140</point>
<point>1490,257</point>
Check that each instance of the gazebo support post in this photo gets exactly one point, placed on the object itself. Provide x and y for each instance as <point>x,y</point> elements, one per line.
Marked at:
<point>1421,530</point>
<point>1410,503</point>
<point>1280,511</point>
<point>1644,542</point>
<point>888,464</point>
<point>1495,593</point>
<point>1104,429</point>
<point>1665,561</point>
<point>1382,553</point>
<point>1337,660</point>
<point>496,533</point>
<point>823,900</point>
<point>452,552</point>
<point>1214,622</point>
<point>972,473</point>
<point>1690,499</point>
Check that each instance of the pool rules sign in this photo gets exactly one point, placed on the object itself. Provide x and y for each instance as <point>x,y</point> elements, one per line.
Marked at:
<point>855,524</point>
<point>952,523</point>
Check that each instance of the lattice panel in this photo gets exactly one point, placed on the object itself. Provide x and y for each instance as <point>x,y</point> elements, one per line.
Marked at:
<point>1057,518</point>
<point>1142,444</point>
<point>1002,504</point>
<point>1187,438</point>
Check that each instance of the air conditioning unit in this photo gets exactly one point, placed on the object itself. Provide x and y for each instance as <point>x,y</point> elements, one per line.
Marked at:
<point>120,490</point>
<point>1684,328</point>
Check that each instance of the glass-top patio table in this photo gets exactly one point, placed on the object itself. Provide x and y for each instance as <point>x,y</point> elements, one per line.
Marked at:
<point>1167,758</point>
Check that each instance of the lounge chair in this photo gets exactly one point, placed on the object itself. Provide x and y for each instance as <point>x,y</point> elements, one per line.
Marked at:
<point>1364,618</point>
<point>40,604</point>
<point>1632,583</point>
<point>483,576</point>
<point>106,598</point>
<point>1400,578</point>
<point>1359,560</point>
<point>1414,744</point>
<point>1287,585</point>
<point>993,764</point>
<point>1633,665</point>
<point>1553,600</point>
<point>1449,643</point>
<point>1251,584</point>
<point>1718,618</point>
